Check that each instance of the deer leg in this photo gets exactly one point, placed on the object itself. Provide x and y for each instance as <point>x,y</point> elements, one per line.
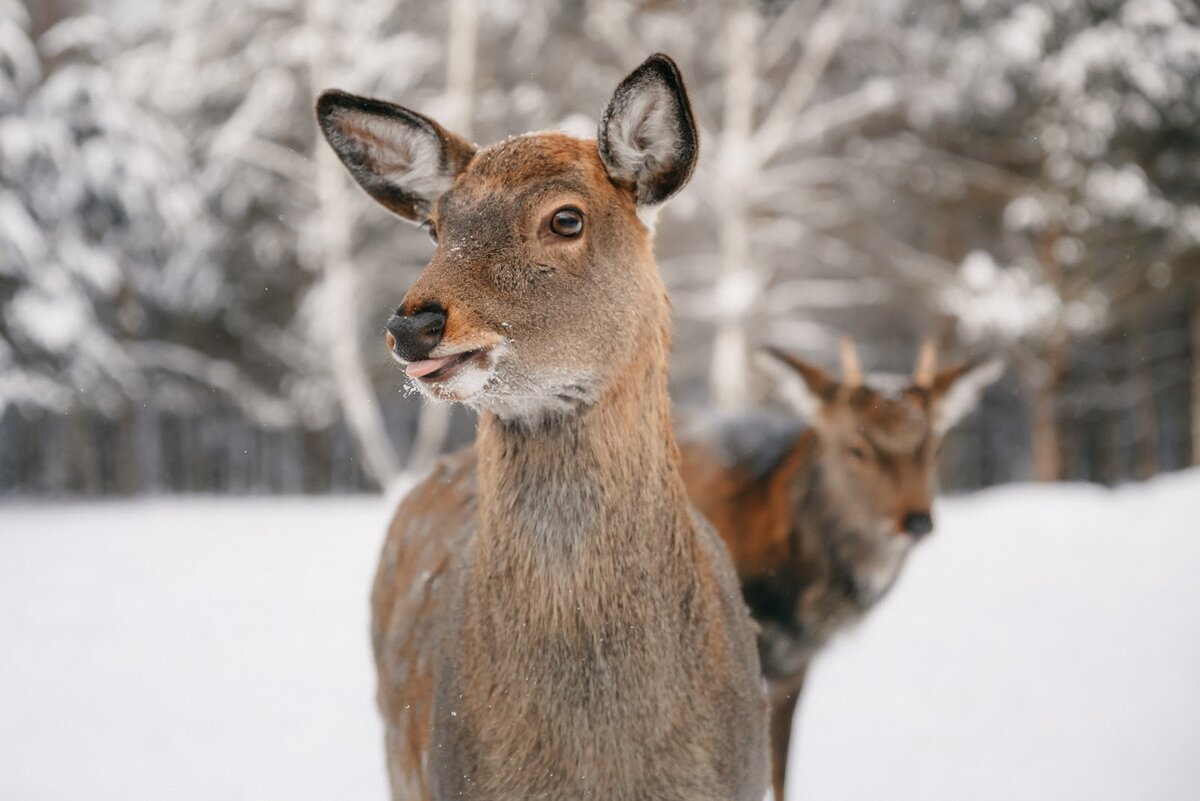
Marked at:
<point>783,710</point>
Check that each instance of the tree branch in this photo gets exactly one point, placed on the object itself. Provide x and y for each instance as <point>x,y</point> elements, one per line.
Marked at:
<point>218,374</point>
<point>822,42</point>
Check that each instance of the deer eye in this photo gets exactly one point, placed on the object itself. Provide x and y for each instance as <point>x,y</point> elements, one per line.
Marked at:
<point>429,229</point>
<point>856,453</point>
<point>567,223</point>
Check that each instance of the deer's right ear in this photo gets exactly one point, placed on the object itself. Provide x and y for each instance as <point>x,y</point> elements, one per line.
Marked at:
<point>648,135</point>
<point>804,386</point>
<point>956,390</point>
<point>403,159</point>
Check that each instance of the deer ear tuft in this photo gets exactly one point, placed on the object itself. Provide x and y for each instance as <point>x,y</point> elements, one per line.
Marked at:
<point>402,159</point>
<point>648,135</point>
<point>956,391</point>
<point>805,387</point>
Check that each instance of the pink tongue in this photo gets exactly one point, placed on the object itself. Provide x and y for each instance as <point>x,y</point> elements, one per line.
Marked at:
<point>425,367</point>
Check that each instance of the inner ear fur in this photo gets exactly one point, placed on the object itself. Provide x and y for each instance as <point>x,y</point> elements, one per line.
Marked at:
<point>956,390</point>
<point>403,159</point>
<point>648,134</point>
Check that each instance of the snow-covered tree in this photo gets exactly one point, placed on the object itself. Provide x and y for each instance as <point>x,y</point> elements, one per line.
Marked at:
<point>1006,175</point>
<point>1071,128</point>
<point>105,251</point>
<point>305,251</point>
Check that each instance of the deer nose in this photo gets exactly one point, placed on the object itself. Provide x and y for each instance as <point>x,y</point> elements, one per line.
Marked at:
<point>918,523</point>
<point>413,336</point>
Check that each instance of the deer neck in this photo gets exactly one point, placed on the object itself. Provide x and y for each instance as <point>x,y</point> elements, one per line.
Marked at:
<point>861,563</point>
<point>603,481</point>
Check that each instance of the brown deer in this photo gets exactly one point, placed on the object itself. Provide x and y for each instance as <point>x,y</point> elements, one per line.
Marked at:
<point>552,620</point>
<point>819,519</point>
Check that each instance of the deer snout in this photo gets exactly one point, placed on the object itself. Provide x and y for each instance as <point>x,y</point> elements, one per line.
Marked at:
<point>918,524</point>
<point>413,336</point>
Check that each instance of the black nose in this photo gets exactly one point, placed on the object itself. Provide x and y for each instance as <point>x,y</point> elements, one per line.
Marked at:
<point>918,523</point>
<point>416,334</point>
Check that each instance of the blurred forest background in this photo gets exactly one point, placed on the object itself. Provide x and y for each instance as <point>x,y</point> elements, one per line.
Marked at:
<point>193,294</point>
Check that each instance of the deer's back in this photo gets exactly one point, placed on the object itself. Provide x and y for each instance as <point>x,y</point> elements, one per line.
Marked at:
<point>739,472</point>
<point>757,479</point>
<point>422,560</point>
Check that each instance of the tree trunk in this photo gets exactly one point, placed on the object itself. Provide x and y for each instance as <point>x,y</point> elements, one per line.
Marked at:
<point>339,290</point>
<point>125,464</point>
<point>1195,353</point>
<point>433,422</point>
<point>1048,463</point>
<point>83,453</point>
<point>1111,422</point>
<point>736,290</point>
<point>1145,415</point>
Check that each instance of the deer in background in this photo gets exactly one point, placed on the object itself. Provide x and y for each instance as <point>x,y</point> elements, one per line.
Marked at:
<point>552,620</point>
<point>819,520</point>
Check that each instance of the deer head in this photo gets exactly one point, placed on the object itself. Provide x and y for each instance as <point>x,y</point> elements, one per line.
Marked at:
<point>878,450</point>
<point>542,289</point>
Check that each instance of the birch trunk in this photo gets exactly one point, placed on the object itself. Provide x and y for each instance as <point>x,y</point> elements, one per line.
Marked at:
<point>434,423</point>
<point>339,290</point>
<point>739,283</point>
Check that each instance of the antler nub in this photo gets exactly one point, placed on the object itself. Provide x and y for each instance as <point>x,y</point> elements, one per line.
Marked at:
<point>851,368</point>
<point>926,364</point>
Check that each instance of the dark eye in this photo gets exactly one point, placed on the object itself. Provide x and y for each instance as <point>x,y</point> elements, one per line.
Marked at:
<point>856,452</point>
<point>567,222</point>
<point>429,229</point>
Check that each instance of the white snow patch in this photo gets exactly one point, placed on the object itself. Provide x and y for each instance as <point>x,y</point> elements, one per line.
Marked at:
<point>1041,645</point>
<point>189,649</point>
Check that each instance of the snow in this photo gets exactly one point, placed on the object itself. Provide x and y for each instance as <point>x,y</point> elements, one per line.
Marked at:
<point>1043,644</point>
<point>189,650</point>
<point>1000,304</point>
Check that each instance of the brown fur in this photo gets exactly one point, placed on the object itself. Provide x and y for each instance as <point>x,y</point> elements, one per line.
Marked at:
<point>816,533</point>
<point>551,619</point>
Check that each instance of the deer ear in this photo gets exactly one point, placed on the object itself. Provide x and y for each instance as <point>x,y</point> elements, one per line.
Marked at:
<point>805,387</point>
<point>956,390</point>
<point>648,135</point>
<point>404,160</point>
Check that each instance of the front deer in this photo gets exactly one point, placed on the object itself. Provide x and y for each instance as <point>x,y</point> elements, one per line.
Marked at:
<point>551,619</point>
<point>819,520</point>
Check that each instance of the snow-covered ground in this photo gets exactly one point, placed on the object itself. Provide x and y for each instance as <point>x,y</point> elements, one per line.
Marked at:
<point>1045,644</point>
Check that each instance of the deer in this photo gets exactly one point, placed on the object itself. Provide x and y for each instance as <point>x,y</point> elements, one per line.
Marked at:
<point>551,619</point>
<point>820,513</point>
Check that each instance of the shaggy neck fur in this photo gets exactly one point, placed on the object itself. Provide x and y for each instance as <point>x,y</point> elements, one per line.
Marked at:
<point>864,562</point>
<point>836,570</point>
<point>583,492</point>
<point>584,571</point>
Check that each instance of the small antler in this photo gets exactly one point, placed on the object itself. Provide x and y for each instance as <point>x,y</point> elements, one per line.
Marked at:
<point>851,368</point>
<point>926,364</point>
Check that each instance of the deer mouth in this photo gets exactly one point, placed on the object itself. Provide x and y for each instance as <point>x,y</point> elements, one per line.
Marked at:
<point>442,367</point>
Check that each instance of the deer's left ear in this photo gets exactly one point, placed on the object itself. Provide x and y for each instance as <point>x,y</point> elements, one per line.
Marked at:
<point>955,391</point>
<point>804,386</point>
<point>403,159</point>
<point>648,135</point>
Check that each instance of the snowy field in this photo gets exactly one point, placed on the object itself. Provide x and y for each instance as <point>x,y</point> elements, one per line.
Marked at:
<point>1045,644</point>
